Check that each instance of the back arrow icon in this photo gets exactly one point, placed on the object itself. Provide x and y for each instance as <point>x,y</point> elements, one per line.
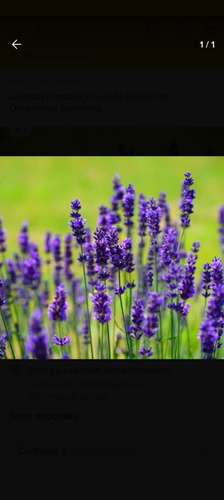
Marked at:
<point>15,44</point>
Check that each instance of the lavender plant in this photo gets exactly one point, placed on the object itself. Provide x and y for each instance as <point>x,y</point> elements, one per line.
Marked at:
<point>120,290</point>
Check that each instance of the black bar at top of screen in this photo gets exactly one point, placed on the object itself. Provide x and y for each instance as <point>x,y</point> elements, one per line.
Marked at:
<point>121,42</point>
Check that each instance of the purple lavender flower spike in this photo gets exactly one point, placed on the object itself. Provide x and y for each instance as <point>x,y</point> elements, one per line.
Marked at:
<point>68,257</point>
<point>11,270</point>
<point>57,309</point>
<point>77,223</point>
<point>154,217</point>
<point>90,262</point>
<point>145,352</point>
<point>104,219</point>
<point>187,197</point>
<point>44,295</point>
<point>216,271</point>
<point>101,301</point>
<point>102,253</point>
<point>150,326</point>
<point>208,337</point>
<point>65,356</point>
<point>186,286</point>
<point>84,330</point>
<point>23,238</point>
<point>60,341</point>
<point>56,251</point>
<point>30,273</point>
<point>117,256</point>
<point>128,205</point>
<point>38,342</point>
<point>137,318</point>
<point>47,242</point>
<point>164,209</point>
<point>2,237</point>
<point>206,280</point>
<point>142,219</point>
<point>128,255</point>
<point>221,228</point>
<point>2,347</point>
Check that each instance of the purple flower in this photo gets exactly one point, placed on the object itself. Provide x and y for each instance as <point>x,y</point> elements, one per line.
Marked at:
<point>150,326</point>
<point>216,271</point>
<point>84,330</point>
<point>101,302</point>
<point>23,238</point>
<point>38,342</point>
<point>142,219</point>
<point>168,248</point>
<point>137,318</point>
<point>44,295</point>
<point>30,273</point>
<point>206,280</point>
<point>145,352</point>
<point>119,290</point>
<point>104,219</point>
<point>56,251</point>
<point>47,242</point>
<point>2,347</point>
<point>68,257</point>
<point>186,286</point>
<point>150,278</point>
<point>65,356</point>
<point>102,253</point>
<point>164,208</point>
<point>181,307</point>
<point>187,197</point>
<point>208,337</point>
<point>60,341</point>
<point>57,309</point>
<point>128,205</point>
<point>221,229</point>
<point>90,262</point>
<point>154,217</point>
<point>77,224</point>
<point>11,270</point>
<point>117,254</point>
<point>2,237</point>
<point>128,255</point>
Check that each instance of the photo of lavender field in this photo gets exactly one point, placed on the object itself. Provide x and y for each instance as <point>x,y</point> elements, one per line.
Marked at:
<point>111,258</point>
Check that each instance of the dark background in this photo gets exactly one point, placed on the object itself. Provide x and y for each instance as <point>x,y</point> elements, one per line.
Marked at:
<point>113,411</point>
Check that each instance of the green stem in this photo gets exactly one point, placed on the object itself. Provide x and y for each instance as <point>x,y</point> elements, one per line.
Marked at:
<point>7,333</point>
<point>87,305</point>
<point>180,240</point>
<point>123,316</point>
<point>102,343</point>
<point>188,340</point>
<point>161,333</point>
<point>108,338</point>
<point>172,333</point>
<point>60,335</point>
<point>155,269</point>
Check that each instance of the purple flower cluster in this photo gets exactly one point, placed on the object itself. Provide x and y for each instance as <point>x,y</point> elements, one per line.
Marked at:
<point>101,301</point>
<point>2,237</point>
<point>57,309</point>
<point>38,341</point>
<point>221,228</point>
<point>187,197</point>
<point>77,223</point>
<point>145,275</point>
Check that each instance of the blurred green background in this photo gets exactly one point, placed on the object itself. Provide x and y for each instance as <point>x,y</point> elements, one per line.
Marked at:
<point>39,189</point>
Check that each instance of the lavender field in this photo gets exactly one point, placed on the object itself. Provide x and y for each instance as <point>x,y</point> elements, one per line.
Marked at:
<point>113,270</point>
